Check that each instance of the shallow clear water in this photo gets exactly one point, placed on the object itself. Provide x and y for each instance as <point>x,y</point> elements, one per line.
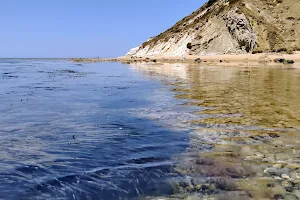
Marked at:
<point>114,131</point>
<point>244,140</point>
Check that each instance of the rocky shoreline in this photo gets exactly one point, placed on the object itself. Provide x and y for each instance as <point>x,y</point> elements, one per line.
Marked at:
<point>228,59</point>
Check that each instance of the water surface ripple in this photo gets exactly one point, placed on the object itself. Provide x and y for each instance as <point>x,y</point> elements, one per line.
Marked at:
<point>71,131</point>
<point>148,131</point>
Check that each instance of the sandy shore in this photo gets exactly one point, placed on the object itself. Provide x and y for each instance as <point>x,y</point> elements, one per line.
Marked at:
<point>228,59</point>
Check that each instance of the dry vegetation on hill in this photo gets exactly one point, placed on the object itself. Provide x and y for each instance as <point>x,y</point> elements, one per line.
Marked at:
<point>231,26</point>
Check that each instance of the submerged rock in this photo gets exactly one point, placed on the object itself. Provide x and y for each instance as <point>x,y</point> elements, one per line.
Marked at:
<point>278,196</point>
<point>272,171</point>
<point>285,176</point>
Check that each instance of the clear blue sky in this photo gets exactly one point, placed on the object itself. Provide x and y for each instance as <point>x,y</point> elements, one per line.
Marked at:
<point>84,28</point>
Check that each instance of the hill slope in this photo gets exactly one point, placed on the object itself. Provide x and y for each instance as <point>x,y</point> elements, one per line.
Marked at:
<point>230,26</point>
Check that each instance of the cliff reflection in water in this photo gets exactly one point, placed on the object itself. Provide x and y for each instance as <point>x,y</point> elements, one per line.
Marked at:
<point>253,96</point>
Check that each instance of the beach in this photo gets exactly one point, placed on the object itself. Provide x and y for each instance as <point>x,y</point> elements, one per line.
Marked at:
<point>222,60</point>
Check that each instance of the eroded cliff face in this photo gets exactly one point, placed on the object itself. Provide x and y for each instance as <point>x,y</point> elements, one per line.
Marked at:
<point>230,26</point>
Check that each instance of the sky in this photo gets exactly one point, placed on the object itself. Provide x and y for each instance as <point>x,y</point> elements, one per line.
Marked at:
<point>84,28</point>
